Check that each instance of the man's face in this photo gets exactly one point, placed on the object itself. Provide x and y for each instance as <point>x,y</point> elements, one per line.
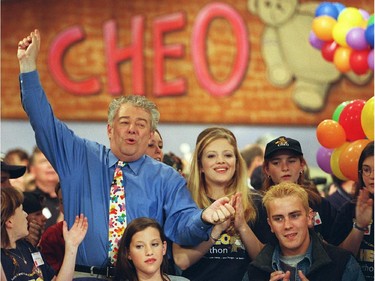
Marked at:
<point>289,221</point>
<point>130,133</point>
<point>42,170</point>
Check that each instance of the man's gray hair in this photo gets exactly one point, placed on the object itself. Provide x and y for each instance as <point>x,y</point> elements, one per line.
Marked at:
<point>137,101</point>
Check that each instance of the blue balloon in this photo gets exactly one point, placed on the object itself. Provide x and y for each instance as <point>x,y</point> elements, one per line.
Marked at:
<point>339,6</point>
<point>369,34</point>
<point>327,9</point>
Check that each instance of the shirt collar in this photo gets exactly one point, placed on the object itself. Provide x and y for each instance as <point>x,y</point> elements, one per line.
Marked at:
<point>277,252</point>
<point>134,166</point>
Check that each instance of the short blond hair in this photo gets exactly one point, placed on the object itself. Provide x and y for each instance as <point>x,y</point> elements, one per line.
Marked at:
<point>285,189</point>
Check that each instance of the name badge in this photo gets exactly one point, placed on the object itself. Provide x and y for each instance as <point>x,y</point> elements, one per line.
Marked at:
<point>37,258</point>
<point>317,219</point>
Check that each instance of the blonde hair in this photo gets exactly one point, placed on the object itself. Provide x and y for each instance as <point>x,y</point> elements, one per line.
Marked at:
<point>196,179</point>
<point>285,189</point>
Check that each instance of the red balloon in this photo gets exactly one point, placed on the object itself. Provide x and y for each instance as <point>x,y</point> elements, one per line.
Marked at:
<point>328,50</point>
<point>358,61</point>
<point>350,120</point>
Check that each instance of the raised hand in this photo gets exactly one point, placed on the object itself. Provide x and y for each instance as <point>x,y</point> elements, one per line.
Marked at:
<point>28,50</point>
<point>364,208</point>
<point>75,235</point>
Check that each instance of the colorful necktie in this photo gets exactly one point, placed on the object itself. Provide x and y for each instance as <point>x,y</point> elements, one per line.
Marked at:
<point>117,212</point>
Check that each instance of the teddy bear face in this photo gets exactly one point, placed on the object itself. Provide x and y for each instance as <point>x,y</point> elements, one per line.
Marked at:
<point>275,12</point>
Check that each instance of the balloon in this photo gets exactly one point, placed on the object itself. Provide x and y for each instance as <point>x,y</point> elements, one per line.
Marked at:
<point>370,20</point>
<point>335,156</point>
<point>367,119</point>
<point>365,14</point>
<point>341,59</point>
<point>330,134</point>
<point>338,110</point>
<point>327,9</point>
<point>348,161</point>
<point>358,62</point>
<point>369,35</point>
<point>340,7</point>
<point>316,42</point>
<point>323,158</point>
<point>370,60</point>
<point>323,26</point>
<point>356,39</point>
<point>339,32</point>
<point>350,16</point>
<point>350,120</point>
<point>328,50</point>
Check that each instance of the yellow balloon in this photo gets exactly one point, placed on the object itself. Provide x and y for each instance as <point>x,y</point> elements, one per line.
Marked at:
<point>350,16</point>
<point>335,161</point>
<point>339,32</point>
<point>367,119</point>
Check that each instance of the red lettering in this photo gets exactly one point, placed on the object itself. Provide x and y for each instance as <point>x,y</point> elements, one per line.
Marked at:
<point>115,55</point>
<point>198,49</point>
<point>161,26</point>
<point>58,48</point>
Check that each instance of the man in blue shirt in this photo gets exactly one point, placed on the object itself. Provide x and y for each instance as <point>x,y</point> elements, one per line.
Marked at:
<point>300,254</point>
<point>86,168</point>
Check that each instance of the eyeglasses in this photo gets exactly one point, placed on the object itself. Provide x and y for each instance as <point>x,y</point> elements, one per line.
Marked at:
<point>366,171</point>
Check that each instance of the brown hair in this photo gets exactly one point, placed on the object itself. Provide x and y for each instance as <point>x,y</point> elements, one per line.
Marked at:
<point>303,180</point>
<point>125,269</point>
<point>11,199</point>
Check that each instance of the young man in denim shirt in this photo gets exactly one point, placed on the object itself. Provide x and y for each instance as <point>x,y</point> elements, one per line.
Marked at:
<point>300,254</point>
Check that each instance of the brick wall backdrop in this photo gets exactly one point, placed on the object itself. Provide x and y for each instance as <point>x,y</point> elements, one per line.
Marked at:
<point>255,101</point>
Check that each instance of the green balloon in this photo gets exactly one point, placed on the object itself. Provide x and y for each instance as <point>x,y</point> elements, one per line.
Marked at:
<point>370,20</point>
<point>336,114</point>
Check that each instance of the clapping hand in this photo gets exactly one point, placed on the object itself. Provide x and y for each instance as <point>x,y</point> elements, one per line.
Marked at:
<point>219,211</point>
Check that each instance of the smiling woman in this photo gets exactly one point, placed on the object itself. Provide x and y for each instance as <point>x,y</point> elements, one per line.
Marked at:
<point>218,170</point>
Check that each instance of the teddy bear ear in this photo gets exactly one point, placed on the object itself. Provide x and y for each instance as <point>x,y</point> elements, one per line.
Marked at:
<point>252,5</point>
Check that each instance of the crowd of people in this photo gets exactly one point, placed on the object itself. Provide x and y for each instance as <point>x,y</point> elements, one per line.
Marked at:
<point>214,222</point>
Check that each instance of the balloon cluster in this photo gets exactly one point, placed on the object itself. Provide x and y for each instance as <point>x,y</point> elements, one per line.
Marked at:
<point>343,138</point>
<point>345,37</point>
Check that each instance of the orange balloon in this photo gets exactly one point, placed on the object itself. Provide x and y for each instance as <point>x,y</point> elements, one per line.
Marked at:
<point>334,162</point>
<point>330,134</point>
<point>323,26</point>
<point>349,158</point>
<point>341,59</point>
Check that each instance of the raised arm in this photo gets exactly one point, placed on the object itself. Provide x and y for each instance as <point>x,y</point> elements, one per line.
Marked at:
<point>72,238</point>
<point>28,50</point>
<point>251,242</point>
<point>363,214</point>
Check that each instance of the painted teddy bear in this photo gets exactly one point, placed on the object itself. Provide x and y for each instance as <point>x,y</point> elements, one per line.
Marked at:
<point>289,56</point>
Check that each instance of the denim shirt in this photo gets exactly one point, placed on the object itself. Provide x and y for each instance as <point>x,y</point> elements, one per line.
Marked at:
<point>303,265</point>
<point>352,270</point>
